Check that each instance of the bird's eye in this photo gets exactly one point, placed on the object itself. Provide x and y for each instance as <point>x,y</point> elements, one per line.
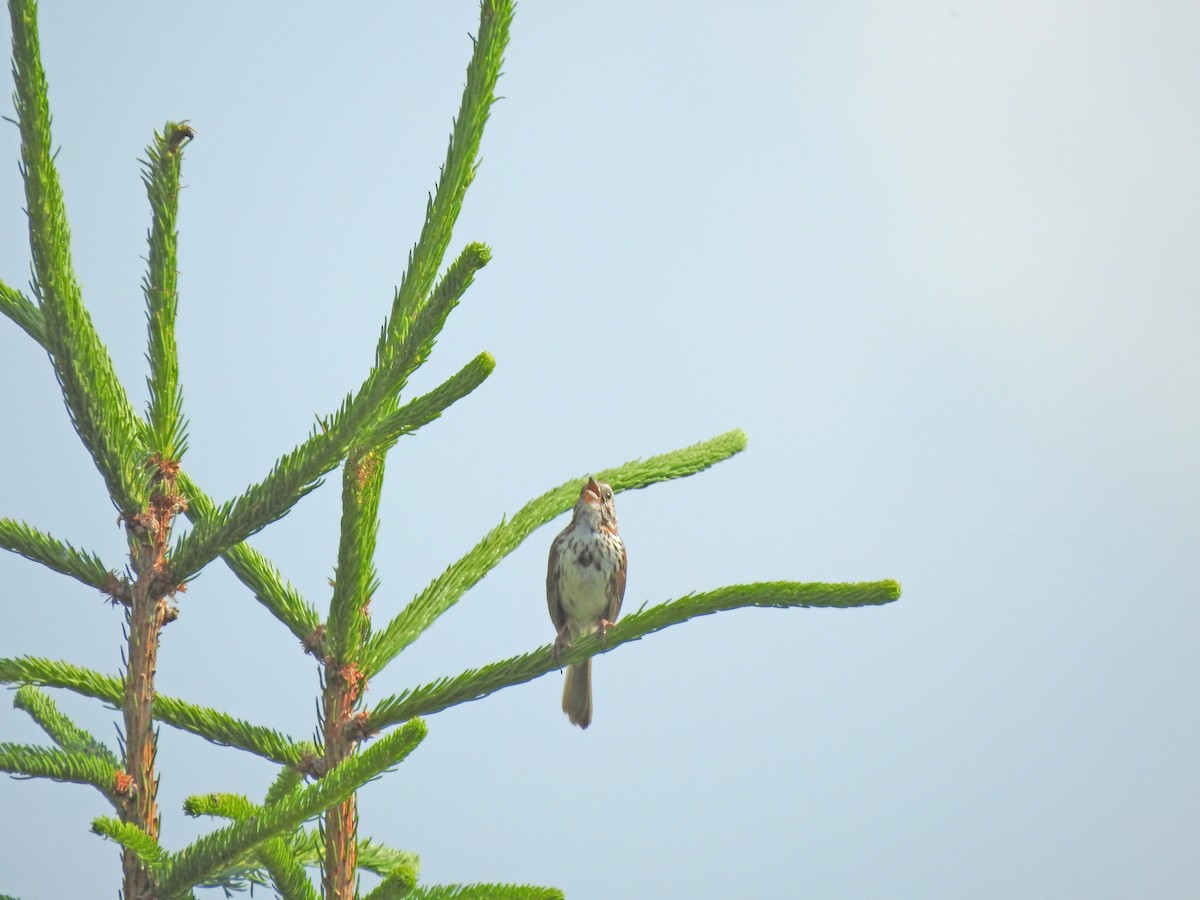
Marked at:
<point>608,494</point>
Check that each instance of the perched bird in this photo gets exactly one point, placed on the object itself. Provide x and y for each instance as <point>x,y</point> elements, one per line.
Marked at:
<point>585,583</point>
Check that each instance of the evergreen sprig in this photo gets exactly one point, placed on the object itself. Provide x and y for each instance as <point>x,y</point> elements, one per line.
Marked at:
<point>98,405</point>
<point>355,579</point>
<point>151,853</point>
<point>410,332</point>
<point>56,555</point>
<point>275,855</point>
<point>23,311</point>
<point>226,806</point>
<point>228,731</point>
<point>166,427</point>
<point>210,724</point>
<point>55,673</point>
<point>59,727</point>
<point>424,409</point>
<point>458,170</point>
<point>59,765</point>
<point>477,683</point>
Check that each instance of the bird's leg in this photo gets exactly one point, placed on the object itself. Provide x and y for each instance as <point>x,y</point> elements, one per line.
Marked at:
<point>561,642</point>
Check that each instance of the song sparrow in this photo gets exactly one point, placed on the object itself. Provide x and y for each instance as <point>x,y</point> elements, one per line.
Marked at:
<point>585,583</point>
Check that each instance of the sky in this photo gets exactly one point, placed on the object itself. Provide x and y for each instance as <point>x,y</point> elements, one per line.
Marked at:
<point>936,259</point>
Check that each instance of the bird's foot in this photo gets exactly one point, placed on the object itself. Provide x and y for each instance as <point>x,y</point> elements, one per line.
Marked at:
<point>561,642</point>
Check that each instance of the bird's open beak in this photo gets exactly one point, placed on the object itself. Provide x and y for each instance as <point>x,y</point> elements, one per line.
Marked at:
<point>592,488</point>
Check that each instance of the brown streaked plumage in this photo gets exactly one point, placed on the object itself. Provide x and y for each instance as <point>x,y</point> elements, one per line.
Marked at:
<point>585,584</point>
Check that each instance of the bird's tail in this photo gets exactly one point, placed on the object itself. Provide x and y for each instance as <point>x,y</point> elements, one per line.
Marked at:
<point>577,694</point>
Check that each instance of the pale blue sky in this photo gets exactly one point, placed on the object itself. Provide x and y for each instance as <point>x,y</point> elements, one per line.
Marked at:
<point>938,260</point>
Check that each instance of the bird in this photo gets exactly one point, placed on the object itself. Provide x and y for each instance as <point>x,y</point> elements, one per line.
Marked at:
<point>585,584</point>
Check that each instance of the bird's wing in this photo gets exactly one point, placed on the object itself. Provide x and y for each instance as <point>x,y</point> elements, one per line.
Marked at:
<point>553,600</point>
<point>616,587</point>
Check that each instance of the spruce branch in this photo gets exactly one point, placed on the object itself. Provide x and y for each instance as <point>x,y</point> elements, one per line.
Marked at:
<point>409,334</point>
<point>99,408</point>
<point>424,409</point>
<point>58,556</point>
<point>23,311</point>
<point>227,731</point>
<point>370,414</point>
<point>449,587</point>
<point>54,673</point>
<point>225,806</point>
<point>404,344</point>
<point>355,579</point>
<point>355,582</point>
<point>199,860</point>
<point>477,683</point>
<point>145,848</point>
<point>60,765</point>
<point>276,855</point>
<point>59,727</point>
<point>214,726</point>
<point>166,428</point>
<point>458,170</point>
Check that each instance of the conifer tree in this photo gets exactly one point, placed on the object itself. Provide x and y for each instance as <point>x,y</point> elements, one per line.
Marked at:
<point>272,840</point>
